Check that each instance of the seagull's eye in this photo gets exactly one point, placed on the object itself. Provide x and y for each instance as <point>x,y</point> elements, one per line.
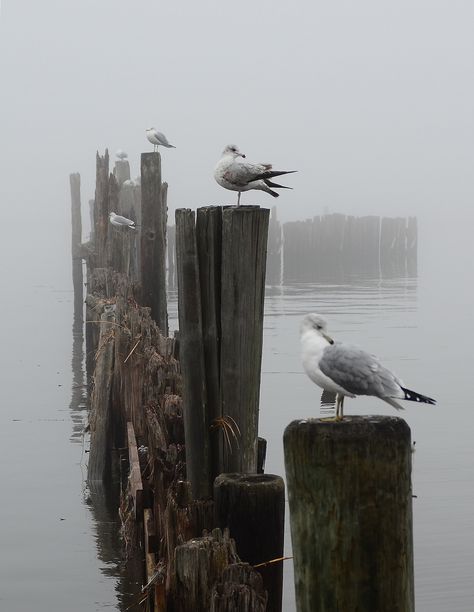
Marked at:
<point>317,326</point>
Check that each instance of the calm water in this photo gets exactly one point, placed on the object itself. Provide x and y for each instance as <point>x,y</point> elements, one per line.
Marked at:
<point>59,545</point>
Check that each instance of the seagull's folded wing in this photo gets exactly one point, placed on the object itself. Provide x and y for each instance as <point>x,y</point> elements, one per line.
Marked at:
<point>358,372</point>
<point>243,173</point>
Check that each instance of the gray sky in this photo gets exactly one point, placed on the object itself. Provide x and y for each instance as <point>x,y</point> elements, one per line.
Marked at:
<point>371,101</point>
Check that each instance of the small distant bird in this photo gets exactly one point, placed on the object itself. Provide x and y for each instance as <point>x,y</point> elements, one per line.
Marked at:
<point>348,370</point>
<point>121,154</point>
<point>158,139</point>
<point>120,221</point>
<point>233,174</point>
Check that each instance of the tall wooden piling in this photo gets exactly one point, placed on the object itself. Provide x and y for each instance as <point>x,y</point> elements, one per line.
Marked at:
<point>244,247</point>
<point>191,352</point>
<point>231,246</point>
<point>349,487</point>
<point>122,171</point>
<point>252,506</point>
<point>101,210</point>
<point>153,239</point>
<point>76,250</point>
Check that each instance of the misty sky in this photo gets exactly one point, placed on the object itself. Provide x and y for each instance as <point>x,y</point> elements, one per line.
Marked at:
<point>371,101</point>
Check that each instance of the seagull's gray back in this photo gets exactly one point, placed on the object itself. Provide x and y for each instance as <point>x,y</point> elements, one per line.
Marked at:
<point>358,372</point>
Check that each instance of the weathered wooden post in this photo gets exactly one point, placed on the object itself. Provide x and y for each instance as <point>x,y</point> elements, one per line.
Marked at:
<point>252,506</point>
<point>411,243</point>
<point>191,352</point>
<point>122,171</point>
<point>76,241</point>
<point>153,240</point>
<point>101,210</point>
<point>244,247</point>
<point>99,461</point>
<point>349,486</point>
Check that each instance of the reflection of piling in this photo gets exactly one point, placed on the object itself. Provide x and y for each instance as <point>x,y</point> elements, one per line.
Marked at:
<point>349,486</point>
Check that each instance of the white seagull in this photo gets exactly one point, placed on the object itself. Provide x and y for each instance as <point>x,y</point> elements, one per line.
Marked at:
<point>348,370</point>
<point>121,154</point>
<point>120,221</point>
<point>158,139</point>
<point>233,174</point>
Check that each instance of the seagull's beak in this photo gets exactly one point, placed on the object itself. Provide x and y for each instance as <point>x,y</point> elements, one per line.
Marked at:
<point>328,338</point>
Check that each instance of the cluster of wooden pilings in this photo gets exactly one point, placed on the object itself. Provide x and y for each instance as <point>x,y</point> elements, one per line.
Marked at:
<point>197,507</point>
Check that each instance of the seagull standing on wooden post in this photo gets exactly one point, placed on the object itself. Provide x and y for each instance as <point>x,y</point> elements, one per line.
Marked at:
<point>158,139</point>
<point>231,173</point>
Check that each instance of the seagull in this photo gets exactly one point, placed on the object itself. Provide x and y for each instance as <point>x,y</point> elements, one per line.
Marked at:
<point>158,139</point>
<point>120,221</point>
<point>236,175</point>
<point>121,154</point>
<point>347,370</point>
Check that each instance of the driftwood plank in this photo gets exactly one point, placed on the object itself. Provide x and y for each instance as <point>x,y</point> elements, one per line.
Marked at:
<point>135,477</point>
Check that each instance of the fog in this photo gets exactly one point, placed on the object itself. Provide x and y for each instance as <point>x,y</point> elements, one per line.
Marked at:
<point>371,101</point>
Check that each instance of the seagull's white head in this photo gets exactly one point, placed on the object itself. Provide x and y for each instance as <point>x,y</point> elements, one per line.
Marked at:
<point>233,151</point>
<point>152,129</point>
<point>112,215</point>
<point>317,325</point>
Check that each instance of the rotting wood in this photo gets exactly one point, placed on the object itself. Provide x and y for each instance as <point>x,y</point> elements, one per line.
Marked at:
<point>99,460</point>
<point>239,590</point>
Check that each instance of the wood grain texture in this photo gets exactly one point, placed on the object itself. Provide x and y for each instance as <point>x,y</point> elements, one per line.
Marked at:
<point>191,352</point>
<point>153,240</point>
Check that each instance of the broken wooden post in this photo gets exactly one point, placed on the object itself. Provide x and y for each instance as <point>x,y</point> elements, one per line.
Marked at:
<point>252,507</point>
<point>171,256</point>
<point>135,476</point>
<point>199,564</point>
<point>239,590</point>
<point>191,353</point>
<point>153,240</point>
<point>101,210</point>
<point>99,460</point>
<point>350,496</point>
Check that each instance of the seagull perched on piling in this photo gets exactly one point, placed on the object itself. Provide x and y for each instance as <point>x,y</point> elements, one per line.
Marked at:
<point>348,370</point>
<point>233,174</point>
<point>158,139</point>
<point>120,221</point>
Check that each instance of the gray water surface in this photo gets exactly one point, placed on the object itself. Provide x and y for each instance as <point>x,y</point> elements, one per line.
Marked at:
<point>59,542</point>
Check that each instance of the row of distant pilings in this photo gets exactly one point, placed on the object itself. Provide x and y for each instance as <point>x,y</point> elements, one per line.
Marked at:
<point>186,411</point>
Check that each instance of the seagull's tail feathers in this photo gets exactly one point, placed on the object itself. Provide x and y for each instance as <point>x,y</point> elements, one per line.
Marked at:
<point>168,146</point>
<point>264,187</point>
<point>271,184</point>
<point>393,403</point>
<point>132,227</point>
<point>271,173</point>
<point>413,396</point>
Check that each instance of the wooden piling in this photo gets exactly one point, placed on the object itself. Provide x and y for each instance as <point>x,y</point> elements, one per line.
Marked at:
<point>349,486</point>
<point>76,251</point>
<point>153,239</point>
<point>244,247</point>
<point>101,210</point>
<point>99,460</point>
<point>122,171</point>
<point>191,352</point>
<point>252,506</point>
